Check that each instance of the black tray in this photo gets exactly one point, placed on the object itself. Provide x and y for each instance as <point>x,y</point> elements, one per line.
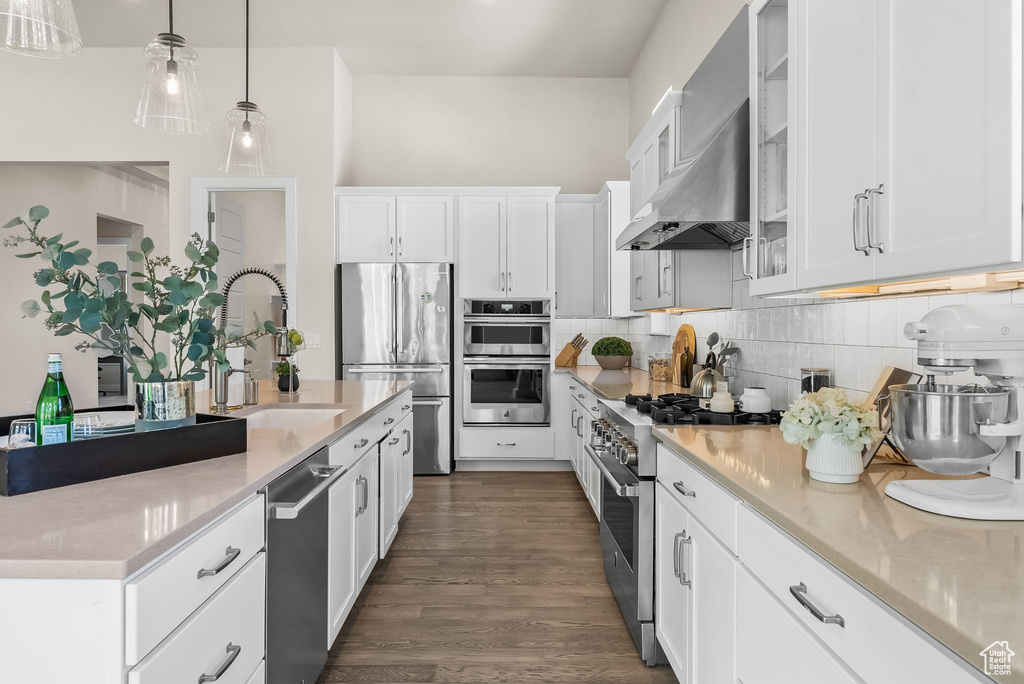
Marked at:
<point>32,469</point>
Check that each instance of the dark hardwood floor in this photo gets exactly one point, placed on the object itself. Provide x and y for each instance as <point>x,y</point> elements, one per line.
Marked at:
<point>494,577</point>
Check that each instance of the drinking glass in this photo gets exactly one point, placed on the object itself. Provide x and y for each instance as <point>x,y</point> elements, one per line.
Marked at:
<point>22,433</point>
<point>86,426</point>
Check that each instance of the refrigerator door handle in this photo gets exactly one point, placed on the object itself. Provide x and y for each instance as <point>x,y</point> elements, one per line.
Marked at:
<point>399,313</point>
<point>427,402</point>
<point>397,371</point>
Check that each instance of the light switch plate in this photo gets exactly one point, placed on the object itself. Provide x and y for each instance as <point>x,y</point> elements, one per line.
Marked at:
<point>313,341</point>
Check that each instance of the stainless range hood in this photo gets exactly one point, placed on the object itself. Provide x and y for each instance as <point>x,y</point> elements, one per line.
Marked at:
<point>705,202</point>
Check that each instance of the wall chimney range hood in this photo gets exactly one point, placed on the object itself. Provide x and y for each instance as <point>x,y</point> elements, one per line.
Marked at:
<point>705,202</point>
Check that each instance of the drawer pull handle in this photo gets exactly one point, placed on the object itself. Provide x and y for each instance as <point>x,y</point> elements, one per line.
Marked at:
<point>230,554</point>
<point>389,421</point>
<point>233,652</point>
<point>407,407</point>
<point>361,443</point>
<point>581,396</point>
<point>506,444</point>
<point>681,488</point>
<point>799,592</point>
<point>393,441</point>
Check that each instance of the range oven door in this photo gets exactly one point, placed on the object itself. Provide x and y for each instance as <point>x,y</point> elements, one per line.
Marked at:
<point>506,391</point>
<point>627,543</point>
<point>506,336</point>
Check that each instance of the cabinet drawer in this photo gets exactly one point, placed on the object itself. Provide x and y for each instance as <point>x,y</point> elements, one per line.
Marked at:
<point>586,398</point>
<point>161,598</point>
<point>506,443</point>
<point>876,643</point>
<point>707,501</point>
<point>226,633</point>
<point>393,413</point>
<point>350,447</point>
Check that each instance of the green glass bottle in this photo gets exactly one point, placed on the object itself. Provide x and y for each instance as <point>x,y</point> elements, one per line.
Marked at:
<point>54,411</point>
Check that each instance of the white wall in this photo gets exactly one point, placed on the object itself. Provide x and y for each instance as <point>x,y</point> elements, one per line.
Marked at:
<point>683,35</point>
<point>429,131</point>
<point>75,194</point>
<point>83,109</point>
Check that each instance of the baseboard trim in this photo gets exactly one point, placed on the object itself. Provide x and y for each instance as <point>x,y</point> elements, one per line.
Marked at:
<point>512,465</point>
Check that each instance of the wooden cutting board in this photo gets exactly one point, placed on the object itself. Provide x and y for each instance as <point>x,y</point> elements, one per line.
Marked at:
<point>682,365</point>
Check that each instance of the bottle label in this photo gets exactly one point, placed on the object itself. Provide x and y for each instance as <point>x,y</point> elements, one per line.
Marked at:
<point>54,367</point>
<point>54,434</point>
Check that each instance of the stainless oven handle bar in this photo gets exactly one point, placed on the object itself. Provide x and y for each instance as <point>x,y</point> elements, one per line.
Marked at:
<point>511,319</point>
<point>623,490</point>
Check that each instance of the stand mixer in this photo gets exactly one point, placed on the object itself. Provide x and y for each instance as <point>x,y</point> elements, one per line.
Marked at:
<point>953,430</point>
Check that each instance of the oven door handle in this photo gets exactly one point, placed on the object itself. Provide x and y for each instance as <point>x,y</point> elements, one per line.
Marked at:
<point>490,364</point>
<point>623,490</point>
<point>506,320</point>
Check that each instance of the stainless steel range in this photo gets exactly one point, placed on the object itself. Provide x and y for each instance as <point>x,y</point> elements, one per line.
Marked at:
<point>623,447</point>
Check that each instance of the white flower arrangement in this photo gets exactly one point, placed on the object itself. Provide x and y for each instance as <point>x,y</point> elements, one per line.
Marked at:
<point>829,412</point>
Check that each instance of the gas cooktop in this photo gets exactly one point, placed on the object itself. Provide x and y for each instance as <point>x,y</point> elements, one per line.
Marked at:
<point>683,409</point>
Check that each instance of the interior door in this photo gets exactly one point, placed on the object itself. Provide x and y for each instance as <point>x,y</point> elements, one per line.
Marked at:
<point>341,552</point>
<point>366,228</point>
<point>673,610</point>
<point>228,231</point>
<point>482,247</point>
<point>836,132</point>
<point>714,603</point>
<point>530,247</point>
<point>602,260</point>
<point>426,228</point>
<point>955,205</point>
<point>574,269</point>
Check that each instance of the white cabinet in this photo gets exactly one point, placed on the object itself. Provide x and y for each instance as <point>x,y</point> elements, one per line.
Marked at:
<point>653,155</point>
<point>667,279</point>
<point>366,228</point>
<point>343,501</point>
<point>367,516</point>
<point>872,90</point>
<point>530,247</point>
<point>388,228</point>
<point>636,185</point>
<point>395,481</point>
<point>405,465</point>
<point>562,414</point>
<point>712,572</point>
<point>575,236</point>
<point>673,609</point>
<point>482,246</point>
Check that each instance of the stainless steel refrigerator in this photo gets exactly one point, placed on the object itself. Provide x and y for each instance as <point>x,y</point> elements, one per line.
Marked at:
<point>395,323</point>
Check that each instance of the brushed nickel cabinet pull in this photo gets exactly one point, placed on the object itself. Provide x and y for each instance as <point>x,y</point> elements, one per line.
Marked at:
<point>230,554</point>
<point>233,652</point>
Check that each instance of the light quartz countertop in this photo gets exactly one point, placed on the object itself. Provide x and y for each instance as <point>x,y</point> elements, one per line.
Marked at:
<point>109,529</point>
<point>961,581</point>
<point>614,385</point>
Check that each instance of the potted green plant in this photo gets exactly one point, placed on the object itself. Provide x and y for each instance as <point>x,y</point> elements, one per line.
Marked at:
<point>612,353</point>
<point>174,301</point>
<point>834,431</point>
<point>283,370</point>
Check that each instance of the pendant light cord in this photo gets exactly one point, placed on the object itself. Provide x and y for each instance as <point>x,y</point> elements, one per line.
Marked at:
<point>170,25</point>
<point>247,57</point>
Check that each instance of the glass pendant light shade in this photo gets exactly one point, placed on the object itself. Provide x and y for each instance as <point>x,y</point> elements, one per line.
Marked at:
<point>41,28</point>
<point>248,150</point>
<point>171,101</point>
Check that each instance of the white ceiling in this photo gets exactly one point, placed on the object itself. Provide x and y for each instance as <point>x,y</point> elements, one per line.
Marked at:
<point>587,38</point>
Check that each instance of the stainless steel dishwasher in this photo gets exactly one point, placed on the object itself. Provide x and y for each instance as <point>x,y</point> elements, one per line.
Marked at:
<point>297,611</point>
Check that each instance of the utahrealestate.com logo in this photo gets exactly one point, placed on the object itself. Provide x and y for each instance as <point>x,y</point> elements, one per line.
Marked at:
<point>997,658</point>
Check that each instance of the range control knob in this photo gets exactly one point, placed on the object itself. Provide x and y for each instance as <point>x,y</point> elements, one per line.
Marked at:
<point>627,454</point>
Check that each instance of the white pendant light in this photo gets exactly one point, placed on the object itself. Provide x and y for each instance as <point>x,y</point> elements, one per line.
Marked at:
<point>248,149</point>
<point>171,101</point>
<point>40,28</point>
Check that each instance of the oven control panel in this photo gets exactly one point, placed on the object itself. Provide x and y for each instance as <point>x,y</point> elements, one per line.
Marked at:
<point>608,437</point>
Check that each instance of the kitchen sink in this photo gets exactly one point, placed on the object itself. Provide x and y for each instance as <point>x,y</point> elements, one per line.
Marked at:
<point>289,416</point>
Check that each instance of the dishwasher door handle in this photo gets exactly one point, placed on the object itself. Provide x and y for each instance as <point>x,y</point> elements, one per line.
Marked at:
<point>290,511</point>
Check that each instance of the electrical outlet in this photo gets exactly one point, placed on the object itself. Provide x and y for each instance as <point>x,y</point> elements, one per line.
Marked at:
<point>313,341</point>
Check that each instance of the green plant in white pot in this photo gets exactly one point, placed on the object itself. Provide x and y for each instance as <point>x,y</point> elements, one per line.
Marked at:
<point>612,353</point>
<point>178,301</point>
<point>834,431</point>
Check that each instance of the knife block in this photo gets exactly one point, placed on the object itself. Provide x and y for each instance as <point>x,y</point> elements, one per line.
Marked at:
<point>567,357</point>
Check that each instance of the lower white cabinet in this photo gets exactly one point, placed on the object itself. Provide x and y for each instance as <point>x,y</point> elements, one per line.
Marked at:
<point>772,647</point>
<point>405,465</point>
<point>673,609</point>
<point>224,639</point>
<point>260,675</point>
<point>712,572</point>
<point>395,481</point>
<point>367,516</point>
<point>514,443</point>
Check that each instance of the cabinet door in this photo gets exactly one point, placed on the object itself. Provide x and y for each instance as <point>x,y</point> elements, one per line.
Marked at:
<point>390,497</point>
<point>529,268</point>
<point>343,502</point>
<point>366,229</point>
<point>561,413</point>
<point>658,285</point>
<point>637,261</point>
<point>405,470</point>
<point>426,229</point>
<point>602,255</point>
<point>772,647</point>
<point>574,267</point>
<point>367,489</point>
<point>636,187</point>
<point>651,163</point>
<point>482,247</point>
<point>835,127</point>
<point>955,205</point>
<point>673,608</point>
<point>714,603</point>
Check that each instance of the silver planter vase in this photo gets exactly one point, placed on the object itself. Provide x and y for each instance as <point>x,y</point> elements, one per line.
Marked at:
<point>163,405</point>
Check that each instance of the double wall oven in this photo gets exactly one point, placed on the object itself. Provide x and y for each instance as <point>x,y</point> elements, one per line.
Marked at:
<point>506,362</point>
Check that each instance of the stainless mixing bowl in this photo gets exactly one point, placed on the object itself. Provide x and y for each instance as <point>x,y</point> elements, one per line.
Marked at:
<point>936,425</point>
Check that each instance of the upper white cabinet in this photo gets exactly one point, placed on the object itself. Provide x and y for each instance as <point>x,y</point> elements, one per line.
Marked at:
<point>896,178</point>
<point>506,246</point>
<point>770,252</point>
<point>611,267</point>
<point>388,228</point>
<point>690,279</point>
<point>654,153</point>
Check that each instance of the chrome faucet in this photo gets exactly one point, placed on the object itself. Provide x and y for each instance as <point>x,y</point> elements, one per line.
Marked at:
<point>282,346</point>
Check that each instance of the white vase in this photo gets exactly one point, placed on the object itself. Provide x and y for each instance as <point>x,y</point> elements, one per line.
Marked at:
<point>829,460</point>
